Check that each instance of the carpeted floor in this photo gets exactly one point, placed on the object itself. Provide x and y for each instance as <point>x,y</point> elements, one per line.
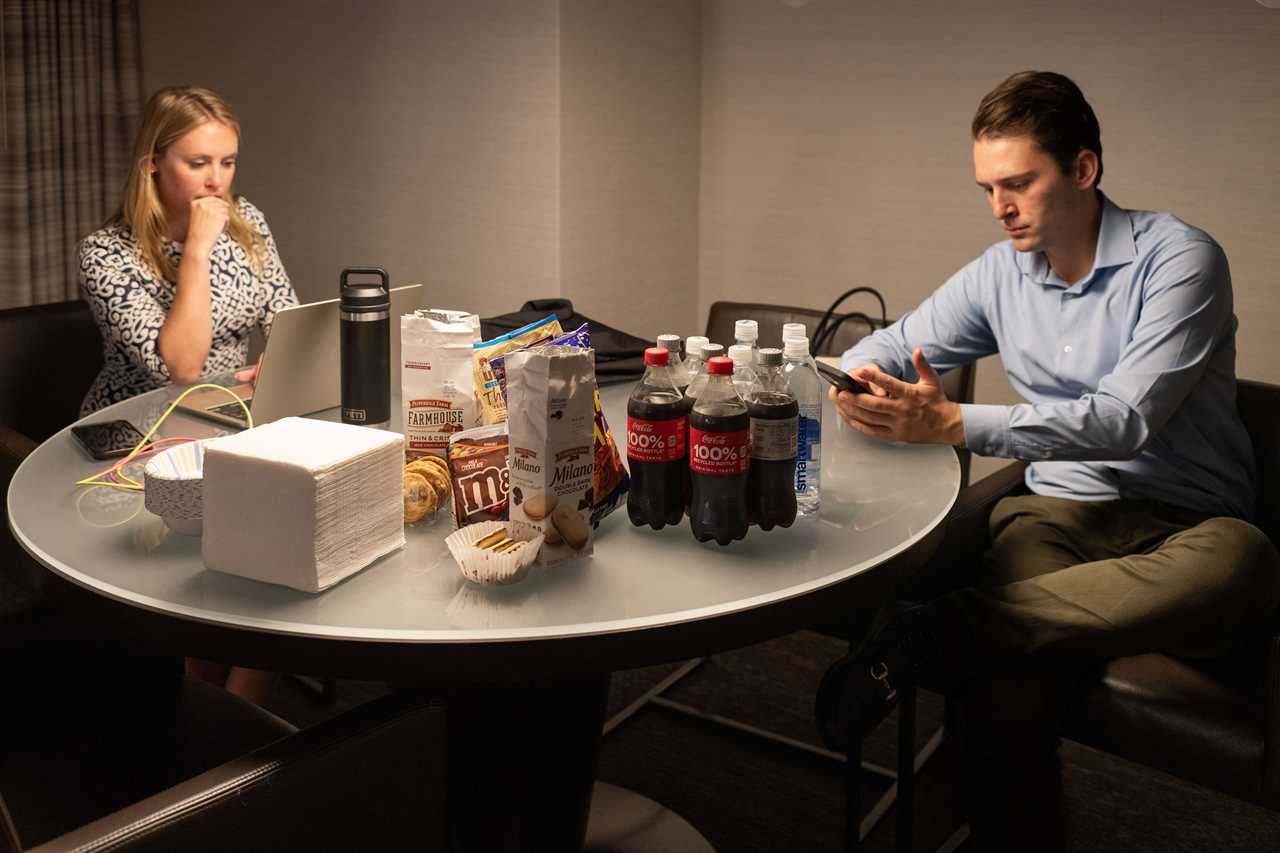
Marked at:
<point>747,795</point>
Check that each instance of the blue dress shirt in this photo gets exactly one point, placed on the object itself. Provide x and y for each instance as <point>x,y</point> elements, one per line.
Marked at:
<point>1128,374</point>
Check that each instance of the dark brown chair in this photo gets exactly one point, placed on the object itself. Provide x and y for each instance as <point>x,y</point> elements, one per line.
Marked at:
<point>196,769</point>
<point>49,355</point>
<point>1215,723</point>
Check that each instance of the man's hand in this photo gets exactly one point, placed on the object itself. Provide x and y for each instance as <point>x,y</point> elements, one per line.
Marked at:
<point>919,413</point>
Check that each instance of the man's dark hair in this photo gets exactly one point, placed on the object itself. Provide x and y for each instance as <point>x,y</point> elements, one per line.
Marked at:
<point>1049,108</point>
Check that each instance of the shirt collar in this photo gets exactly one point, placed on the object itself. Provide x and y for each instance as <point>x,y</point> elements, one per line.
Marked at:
<point>1115,248</point>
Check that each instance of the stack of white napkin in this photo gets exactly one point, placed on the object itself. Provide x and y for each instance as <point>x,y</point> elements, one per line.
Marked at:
<point>301,502</point>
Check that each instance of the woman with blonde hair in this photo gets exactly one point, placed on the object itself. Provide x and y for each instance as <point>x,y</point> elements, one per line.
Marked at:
<point>180,275</point>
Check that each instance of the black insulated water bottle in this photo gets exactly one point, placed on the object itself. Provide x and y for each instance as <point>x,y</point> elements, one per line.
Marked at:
<point>364,310</point>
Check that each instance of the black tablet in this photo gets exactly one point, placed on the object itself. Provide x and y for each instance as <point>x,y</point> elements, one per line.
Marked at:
<point>107,440</point>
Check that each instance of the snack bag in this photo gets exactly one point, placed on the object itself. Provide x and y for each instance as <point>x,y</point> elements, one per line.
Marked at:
<point>436,389</point>
<point>611,478</point>
<point>579,337</point>
<point>478,474</point>
<point>550,391</point>
<point>493,405</point>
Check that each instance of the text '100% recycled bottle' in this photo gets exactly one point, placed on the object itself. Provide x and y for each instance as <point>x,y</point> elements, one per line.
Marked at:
<point>719,458</point>
<point>656,451</point>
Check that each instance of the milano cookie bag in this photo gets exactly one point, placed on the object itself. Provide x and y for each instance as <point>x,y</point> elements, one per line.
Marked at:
<point>551,420</point>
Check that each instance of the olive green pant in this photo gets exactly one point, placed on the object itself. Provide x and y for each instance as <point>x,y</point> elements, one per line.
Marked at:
<point>1065,585</point>
<point>1113,578</point>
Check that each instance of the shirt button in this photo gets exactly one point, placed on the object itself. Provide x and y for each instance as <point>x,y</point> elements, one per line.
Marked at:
<point>1067,348</point>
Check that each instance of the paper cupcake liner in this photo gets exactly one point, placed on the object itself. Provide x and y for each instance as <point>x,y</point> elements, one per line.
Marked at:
<point>486,567</point>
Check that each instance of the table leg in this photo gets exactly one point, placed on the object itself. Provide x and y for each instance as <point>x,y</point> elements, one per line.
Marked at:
<point>521,764</point>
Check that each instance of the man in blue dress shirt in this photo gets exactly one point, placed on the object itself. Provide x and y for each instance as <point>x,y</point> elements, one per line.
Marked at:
<point>1117,328</point>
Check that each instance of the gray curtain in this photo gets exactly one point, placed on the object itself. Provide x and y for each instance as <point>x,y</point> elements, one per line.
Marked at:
<point>71,104</point>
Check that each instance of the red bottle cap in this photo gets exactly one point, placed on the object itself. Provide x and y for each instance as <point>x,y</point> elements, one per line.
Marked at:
<point>656,355</point>
<point>720,365</point>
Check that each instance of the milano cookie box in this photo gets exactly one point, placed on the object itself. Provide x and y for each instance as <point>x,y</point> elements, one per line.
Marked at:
<point>551,416</point>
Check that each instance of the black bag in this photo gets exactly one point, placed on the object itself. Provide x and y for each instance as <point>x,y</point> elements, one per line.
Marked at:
<point>619,356</point>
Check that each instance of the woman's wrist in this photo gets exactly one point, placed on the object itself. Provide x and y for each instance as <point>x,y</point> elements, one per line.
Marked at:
<point>196,254</point>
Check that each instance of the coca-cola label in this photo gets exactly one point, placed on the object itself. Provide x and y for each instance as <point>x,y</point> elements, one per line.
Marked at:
<point>774,440</point>
<point>656,441</point>
<point>719,453</point>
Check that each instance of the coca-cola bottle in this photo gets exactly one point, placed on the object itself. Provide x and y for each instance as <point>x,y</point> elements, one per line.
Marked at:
<point>698,379</point>
<point>771,495</point>
<point>656,451</point>
<point>719,458</point>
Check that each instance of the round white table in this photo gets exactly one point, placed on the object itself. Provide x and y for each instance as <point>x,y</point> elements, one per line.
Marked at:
<point>644,597</point>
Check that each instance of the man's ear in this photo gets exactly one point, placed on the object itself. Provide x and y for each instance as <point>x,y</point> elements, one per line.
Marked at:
<point>1086,169</point>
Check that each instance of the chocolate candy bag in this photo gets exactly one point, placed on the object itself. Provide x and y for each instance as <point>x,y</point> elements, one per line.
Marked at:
<point>479,474</point>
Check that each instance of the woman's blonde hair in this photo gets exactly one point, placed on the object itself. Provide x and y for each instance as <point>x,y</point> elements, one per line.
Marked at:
<point>171,113</point>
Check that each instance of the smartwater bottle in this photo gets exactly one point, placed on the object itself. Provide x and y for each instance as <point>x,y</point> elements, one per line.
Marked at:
<point>364,312</point>
<point>809,390</point>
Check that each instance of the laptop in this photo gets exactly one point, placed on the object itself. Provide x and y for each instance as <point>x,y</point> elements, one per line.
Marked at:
<point>300,371</point>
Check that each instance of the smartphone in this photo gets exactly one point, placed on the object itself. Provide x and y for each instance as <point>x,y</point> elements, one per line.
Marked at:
<point>108,439</point>
<point>842,380</point>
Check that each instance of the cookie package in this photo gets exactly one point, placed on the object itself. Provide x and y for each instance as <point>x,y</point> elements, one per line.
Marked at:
<point>551,392</point>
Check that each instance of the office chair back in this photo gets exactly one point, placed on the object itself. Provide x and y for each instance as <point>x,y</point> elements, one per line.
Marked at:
<point>49,356</point>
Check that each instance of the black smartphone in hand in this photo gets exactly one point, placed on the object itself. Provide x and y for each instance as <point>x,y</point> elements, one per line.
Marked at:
<point>840,379</point>
<point>108,439</point>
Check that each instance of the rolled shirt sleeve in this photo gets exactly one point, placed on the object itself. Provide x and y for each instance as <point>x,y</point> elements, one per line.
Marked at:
<point>951,326</point>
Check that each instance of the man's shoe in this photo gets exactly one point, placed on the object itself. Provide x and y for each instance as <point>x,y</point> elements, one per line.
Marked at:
<point>864,686</point>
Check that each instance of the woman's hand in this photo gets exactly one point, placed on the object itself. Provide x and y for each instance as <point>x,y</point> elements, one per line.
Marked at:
<point>187,333</point>
<point>250,374</point>
<point>208,218</point>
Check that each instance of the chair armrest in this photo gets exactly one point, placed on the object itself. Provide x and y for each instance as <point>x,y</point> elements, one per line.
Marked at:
<point>14,446</point>
<point>1271,758</point>
<point>23,582</point>
<point>372,778</point>
<point>966,538</point>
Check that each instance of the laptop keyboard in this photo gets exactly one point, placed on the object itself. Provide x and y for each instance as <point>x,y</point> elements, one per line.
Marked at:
<point>232,410</point>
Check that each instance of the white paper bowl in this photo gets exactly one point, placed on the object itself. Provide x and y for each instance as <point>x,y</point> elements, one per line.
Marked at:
<point>487,567</point>
<point>174,487</point>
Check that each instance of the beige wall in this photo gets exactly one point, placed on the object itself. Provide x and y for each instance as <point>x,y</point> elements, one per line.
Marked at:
<point>419,136</point>
<point>835,146</point>
<point>629,160</point>
<point>496,151</point>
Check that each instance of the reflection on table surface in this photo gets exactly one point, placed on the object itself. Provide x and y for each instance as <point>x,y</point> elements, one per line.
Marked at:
<point>877,499</point>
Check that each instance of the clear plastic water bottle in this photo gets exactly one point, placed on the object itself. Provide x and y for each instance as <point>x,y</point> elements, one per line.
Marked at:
<point>675,364</point>
<point>747,332</point>
<point>693,360</point>
<point>744,370</point>
<point>698,378</point>
<point>809,390</point>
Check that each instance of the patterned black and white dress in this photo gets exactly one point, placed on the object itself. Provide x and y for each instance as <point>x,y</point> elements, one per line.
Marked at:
<point>131,303</point>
